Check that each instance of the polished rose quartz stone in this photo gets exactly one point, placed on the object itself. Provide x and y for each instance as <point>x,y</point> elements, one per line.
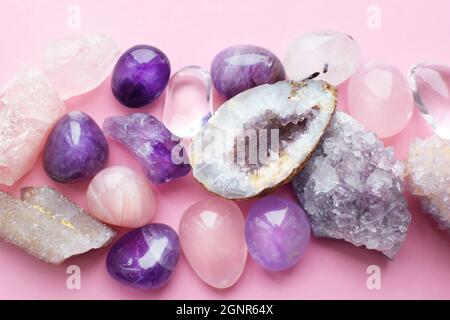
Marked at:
<point>121,197</point>
<point>212,238</point>
<point>379,97</point>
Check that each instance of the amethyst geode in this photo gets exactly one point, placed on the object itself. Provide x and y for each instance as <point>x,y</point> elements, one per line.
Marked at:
<point>352,187</point>
<point>241,67</point>
<point>76,149</point>
<point>160,152</point>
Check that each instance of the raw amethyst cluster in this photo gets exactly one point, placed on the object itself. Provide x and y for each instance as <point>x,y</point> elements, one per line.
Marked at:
<point>352,187</point>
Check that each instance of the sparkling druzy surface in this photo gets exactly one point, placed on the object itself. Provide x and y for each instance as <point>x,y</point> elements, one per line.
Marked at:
<point>430,83</point>
<point>79,64</point>
<point>158,150</point>
<point>332,56</point>
<point>352,189</point>
<point>76,149</point>
<point>241,67</point>
<point>49,226</point>
<point>120,196</point>
<point>29,106</point>
<point>140,76</point>
<point>259,139</point>
<point>379,97</point>
<point>212,237</point>
<point>146,257</point>
<point>277,233</point>
<point>428,169</point>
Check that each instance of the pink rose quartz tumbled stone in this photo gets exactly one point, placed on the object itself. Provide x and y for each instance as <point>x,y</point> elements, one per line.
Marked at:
<point>120,196</point>
<point>379,97</point>
<point>212,238</point>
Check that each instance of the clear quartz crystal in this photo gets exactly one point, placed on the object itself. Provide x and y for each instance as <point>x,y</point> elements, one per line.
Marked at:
<point>185,111</point>
<point>430,83</point>
<point>79,64</point>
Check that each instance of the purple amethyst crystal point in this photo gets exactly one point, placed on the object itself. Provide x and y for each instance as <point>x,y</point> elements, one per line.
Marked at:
<point>160,152</point>
<point>140,76</point>
<point>145,258</point>
<point>352,187</point>
<point>76,149</point>
<point>241,67</point>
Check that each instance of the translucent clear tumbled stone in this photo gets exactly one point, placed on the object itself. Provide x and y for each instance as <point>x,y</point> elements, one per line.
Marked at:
<point>430,83</point>
<point>379,97</point>
<point>79,64</point>
<point>188,102</point>
<point>332,56</point>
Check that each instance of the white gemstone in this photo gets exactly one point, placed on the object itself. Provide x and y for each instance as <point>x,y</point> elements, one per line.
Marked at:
<point>78,65</point>
<point>188,102</point>
<point>334,55</point>
<point>430,83</point>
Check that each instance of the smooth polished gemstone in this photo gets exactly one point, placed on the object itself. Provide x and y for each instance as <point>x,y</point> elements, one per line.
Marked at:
<point>29,106</point>
<point>430,83</point>
<point>160,153</point>
<point>188,101</point>
<point>79,64</point>
<point>76,149</point>
<point>328,55</point>
<point>49,226</point>
<point>241,67</point>
<point>212,238</point>
<point>140,76</point>
<point>277,233</point>
<point>379,97</point>
<point>120,196</point>
<point>145,258</point>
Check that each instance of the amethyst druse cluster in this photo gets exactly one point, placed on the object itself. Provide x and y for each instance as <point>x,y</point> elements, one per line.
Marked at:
<point>351,189</point>
<point>158,150</point>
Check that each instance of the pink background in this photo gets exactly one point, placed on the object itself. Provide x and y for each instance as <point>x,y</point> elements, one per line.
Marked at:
<point>192,32</point>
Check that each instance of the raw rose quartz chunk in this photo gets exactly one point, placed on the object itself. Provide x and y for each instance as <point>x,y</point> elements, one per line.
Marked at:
<point>28,108</point>
<point>49,226</point>
<point>78,65</point>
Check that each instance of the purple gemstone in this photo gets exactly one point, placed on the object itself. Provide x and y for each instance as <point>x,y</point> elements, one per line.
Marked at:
<point>238,68</point>
<point>145,257</point>
<point>76,149</point>
<point>159,151</point>
<point>140,76</point>
<point>277,232</point>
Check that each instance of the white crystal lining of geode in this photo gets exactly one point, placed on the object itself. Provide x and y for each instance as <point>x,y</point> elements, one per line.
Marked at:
<point>49,226</point>
<point>285,99</point>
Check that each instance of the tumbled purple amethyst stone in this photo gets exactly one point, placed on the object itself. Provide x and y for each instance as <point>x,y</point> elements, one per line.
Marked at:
<point>140,76</point>
<point>277,232</point>
<point>145,258</point>
<point>76,149</point>
<point>241,67</point>
<point>159,151</point>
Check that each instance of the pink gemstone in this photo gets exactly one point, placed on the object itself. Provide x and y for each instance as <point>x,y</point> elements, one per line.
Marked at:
<point>121,197</point>
<point>430,83</point>
<point>29,106</point>
<point>379,97</point>
<point>212,238</point>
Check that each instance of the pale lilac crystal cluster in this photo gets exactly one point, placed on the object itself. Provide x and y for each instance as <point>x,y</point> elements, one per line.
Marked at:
<point>429,177</point>
<point>351,189</point>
